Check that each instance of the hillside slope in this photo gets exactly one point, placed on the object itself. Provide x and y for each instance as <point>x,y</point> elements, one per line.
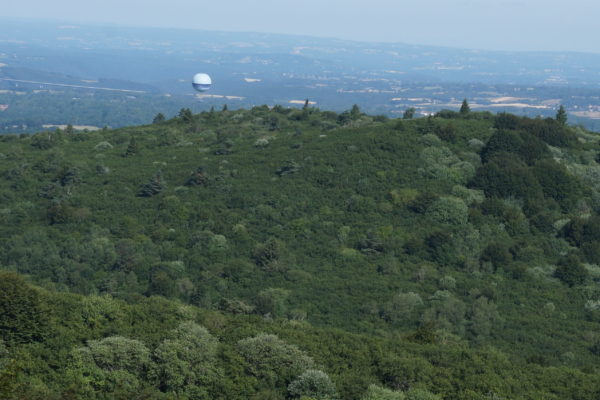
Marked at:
<point>456,253</point>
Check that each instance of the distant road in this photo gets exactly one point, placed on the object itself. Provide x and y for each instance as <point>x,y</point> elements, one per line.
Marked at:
<point>73,86</point>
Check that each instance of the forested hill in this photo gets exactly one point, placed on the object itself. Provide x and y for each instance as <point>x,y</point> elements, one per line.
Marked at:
<point>278,253</point>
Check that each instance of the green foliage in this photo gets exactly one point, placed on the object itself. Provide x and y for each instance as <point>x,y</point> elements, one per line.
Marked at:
<point>447,133</point>
<point>314,384</point>
<point>503,141</point>
<point>185,362</point>
<point>185,114</point>
<point>22,315</point>
<point>571,271</point>
<point>448,210</point>
<point>132,148</point>
<point>153,187</point>
<point>391,255</point>
<point>375,392</point>
<point>464,108</point>
<point>446,312</point>
<point>506,176</point>
<point>272,302</point>
<point>355,112</point>
<point>114,366</point>
<point>550,131</point>
<point>114,353</point>
<point>420,394</point>
<point>160,117</point>
<point>561,115</point>
<point>198,178</point>
<point>273,360</point>
<point>506,121</point>
<point>409,113</point>
<point>557,183</point>
<point>498,254</point>
<point>268,253</point>
<point>402,307</point>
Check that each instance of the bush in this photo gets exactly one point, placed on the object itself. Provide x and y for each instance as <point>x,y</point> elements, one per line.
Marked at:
<point>591,251</point>
<point>115,366</point>
<point>270,358</point>
<point>117,352</point>
<point>103,146</point>
<point>401,307</point>
<point>449,210</point>
<point>272,302</point>
<point>571,271</point>
<point>153,187</point>
<point>375,392</point>
<point>441,249</point>
<point>498,254</point>
<point>314,384</point>
<point>266,253</point>
<point>185,361</point>
<point>422,202</point>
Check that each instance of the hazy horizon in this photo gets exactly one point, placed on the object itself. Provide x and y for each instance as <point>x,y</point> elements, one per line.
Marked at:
<point>507,25</point>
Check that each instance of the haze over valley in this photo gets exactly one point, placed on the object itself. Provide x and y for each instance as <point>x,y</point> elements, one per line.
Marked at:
<point>117,76</point>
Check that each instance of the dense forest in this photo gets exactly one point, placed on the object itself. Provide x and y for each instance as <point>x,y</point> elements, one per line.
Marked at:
<point>274,253</point>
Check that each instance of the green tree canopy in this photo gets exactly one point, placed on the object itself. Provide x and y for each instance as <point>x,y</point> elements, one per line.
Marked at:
<point>22,316</point>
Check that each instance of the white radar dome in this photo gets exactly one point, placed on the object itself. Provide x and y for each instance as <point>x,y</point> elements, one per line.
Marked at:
<point>201,82</point>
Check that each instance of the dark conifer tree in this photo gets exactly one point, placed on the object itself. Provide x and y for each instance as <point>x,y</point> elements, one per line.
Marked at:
<point>561,115</point>
<point>355,112</point>
<point>464,108</point>
<point>153,187</point>
<point>409,113</point>
<point>160,117</point>
<point>132,148</point>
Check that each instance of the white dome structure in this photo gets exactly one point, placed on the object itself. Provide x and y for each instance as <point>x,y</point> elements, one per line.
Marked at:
<point>201,82</point>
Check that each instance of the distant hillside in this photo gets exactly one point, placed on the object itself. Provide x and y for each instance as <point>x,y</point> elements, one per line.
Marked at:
<point>252,69</point>
<point>455,255</point>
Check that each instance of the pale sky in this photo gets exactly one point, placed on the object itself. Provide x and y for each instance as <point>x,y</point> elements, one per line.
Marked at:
<point>565,25</point>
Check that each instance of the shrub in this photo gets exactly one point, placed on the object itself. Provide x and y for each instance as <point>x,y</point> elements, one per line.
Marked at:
<point>185,361</point>
<point>153,187</point>
<point>401,307</point>
<point>375,392</point>
<point>272,302</point>
<point>498,254</point>
<point>266,253</point>
<point>114,366</point>
<point>313,383</point>
<point>103,146</point>
<point>449,210</point>
<point>270,358</point>
<point>422,202</point>
<point>446,312</point>
<point>117,352</point>
<point>571,271</point>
